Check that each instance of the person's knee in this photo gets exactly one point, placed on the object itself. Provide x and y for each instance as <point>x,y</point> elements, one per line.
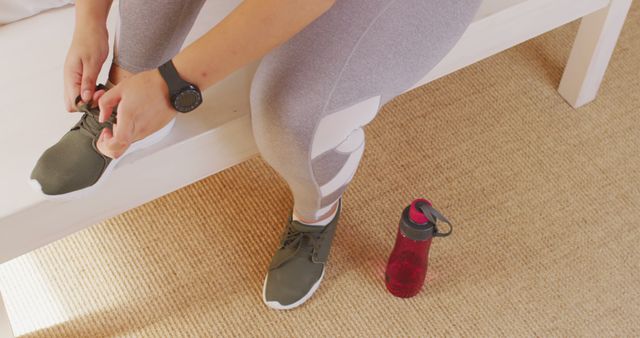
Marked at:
<point>281,117</point>
<point>344,126</point>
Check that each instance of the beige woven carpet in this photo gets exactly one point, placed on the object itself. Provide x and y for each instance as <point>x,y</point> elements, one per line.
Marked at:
<point>545,201</point>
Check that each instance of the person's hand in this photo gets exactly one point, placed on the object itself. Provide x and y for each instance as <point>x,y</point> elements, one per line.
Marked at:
<point>143,108</point>
<point>88,52</point>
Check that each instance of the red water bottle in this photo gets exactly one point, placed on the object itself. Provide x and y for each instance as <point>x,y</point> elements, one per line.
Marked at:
<point>409,260</point>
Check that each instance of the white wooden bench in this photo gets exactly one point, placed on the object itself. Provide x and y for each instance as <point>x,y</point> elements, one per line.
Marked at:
<point>218,135</point>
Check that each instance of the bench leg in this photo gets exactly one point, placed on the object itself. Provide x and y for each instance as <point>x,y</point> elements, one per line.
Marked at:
<point>591,53</point>
<point>5,325</point>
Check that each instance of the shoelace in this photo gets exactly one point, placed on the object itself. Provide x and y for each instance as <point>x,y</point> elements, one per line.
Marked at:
<point>435,215</point>
<point>294,238</point>
<point>89,123</point>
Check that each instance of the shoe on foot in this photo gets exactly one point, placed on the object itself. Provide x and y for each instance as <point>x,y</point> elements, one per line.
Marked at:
<point>73,166</point>
<point>298,265</point>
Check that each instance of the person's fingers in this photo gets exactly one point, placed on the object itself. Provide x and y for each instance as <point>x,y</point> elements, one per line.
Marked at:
<point>96,96</point>
<point>90,71</point>
<point>104,137</point>
<point>72,79</point>
<point>106,144</point>
<point>107,102</point>
<point>114,143</point>
<point>123,133</point>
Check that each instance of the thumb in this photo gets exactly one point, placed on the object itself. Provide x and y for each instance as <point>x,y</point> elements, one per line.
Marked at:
<point>89,78</point>
<point>107,102</point>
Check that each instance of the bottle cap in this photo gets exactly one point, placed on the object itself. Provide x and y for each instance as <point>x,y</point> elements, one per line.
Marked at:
<point>416,225</point>
<point>415,214</point>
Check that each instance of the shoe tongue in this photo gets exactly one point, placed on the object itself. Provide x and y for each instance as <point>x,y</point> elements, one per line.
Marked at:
<point>301,227</point>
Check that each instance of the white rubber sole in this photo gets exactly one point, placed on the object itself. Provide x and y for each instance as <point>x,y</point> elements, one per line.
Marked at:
<point>135,146</point>
<point>276,305</point>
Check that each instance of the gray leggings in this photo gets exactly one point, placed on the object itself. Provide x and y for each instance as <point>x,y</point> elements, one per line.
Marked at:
<point>312,96</point>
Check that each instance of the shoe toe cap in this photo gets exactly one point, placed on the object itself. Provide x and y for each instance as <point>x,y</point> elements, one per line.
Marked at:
<point>63,168</point>
<point>290,283</point>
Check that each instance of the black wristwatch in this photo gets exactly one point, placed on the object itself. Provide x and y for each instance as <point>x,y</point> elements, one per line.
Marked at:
<point>183,95</point>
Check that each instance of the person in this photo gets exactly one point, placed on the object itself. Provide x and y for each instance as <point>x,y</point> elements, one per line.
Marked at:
<point>327,68</point>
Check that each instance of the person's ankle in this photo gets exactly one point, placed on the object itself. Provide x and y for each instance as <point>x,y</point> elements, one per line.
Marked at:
<point>320,221</point>
<point>118,74</point>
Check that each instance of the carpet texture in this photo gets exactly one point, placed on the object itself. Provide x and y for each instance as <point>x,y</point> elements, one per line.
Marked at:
<point>545,202</point>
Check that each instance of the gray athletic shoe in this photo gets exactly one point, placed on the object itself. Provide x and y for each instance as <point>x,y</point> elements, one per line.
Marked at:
<point>73,166</point>
<point>298,265</point>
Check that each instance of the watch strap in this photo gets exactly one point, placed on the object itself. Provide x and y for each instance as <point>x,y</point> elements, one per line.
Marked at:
<point>171,77</point>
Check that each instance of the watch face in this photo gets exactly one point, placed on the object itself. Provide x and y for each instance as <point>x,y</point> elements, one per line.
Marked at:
<point>187,100</point>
